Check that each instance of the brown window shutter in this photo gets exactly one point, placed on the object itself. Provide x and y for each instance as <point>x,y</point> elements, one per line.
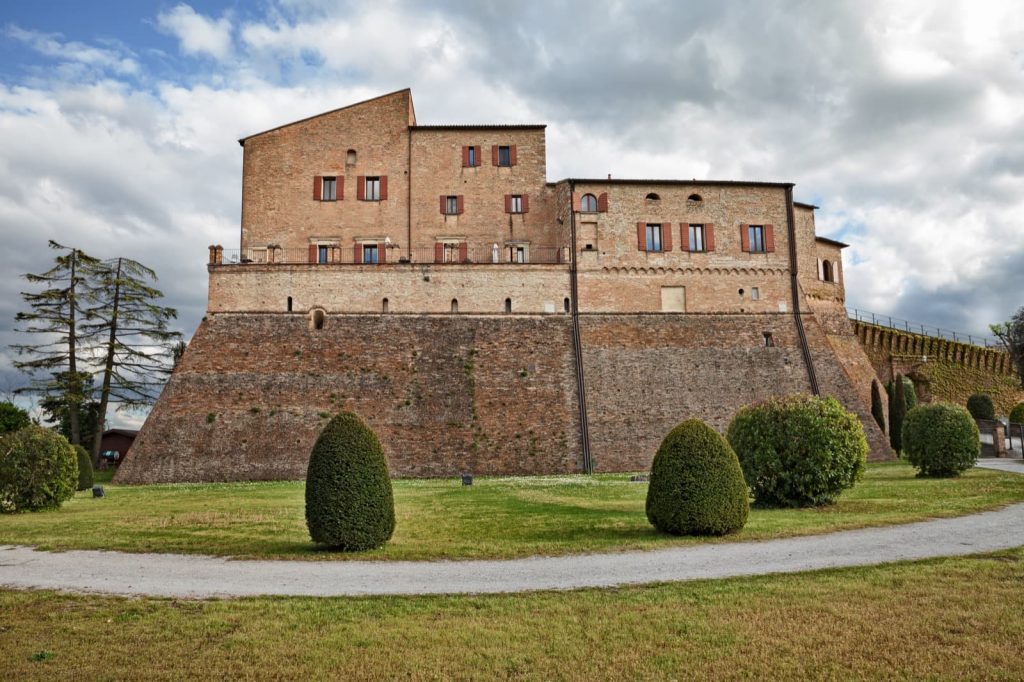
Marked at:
<point>382,253</point>
<point>576,201</point>
<point>463,252</point>
<point>479,161</point>
<point>494,155</point>
<point>361,187</point>
<point>709,236</point>
<point>460,205</point>
<point>512,158</point>
<point>444,204</point>
<point>641,236</point>
<point>357,254</point>
<point>508,203</point>
<point>340,187</point>
<point>769,238</point>
<point>666,236</point>
<point>438,252</point>
<point>383,187</point>
<point>526,203</point>
<point>745,238</point>
<point>602,202</point>
<point>684,236</point>
<point>465,157</point>
<point>312,253</point>
<point>318,187</point>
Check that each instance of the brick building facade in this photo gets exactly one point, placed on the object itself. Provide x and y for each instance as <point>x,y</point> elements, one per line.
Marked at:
<point>483,319</point>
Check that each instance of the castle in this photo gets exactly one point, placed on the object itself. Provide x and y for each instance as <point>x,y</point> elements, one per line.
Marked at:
<point>483,319</point>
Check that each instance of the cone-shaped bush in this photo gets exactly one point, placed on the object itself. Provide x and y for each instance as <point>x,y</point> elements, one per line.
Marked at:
<point>38,470</point>
<point>897,412</point>
<point>981,407</point>
<point>877,411</point>
<point>349,504</point>
<point>697,486</point>
<point>941,439</point>
<point>84,468</point>
<point>1017,414</point>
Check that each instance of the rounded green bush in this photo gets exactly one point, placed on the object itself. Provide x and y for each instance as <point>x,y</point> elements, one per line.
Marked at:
<point>12,417</point>
<point>941,439</point>
<point>696,486</point>
<point>84,468</point>
<point>980,406</point>
<point>38,470</point>
<point>798,451</point>
<point>1017,414</point>
<point>349,503</point>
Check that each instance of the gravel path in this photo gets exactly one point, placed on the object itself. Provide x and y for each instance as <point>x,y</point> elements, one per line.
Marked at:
<point>174,575</point>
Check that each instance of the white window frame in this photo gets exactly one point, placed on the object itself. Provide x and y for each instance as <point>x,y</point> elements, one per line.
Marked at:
<point>371,191</point>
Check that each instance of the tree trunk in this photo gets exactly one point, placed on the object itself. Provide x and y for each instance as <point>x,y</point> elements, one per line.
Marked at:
<point>74,389</point>
<point>108,368</point>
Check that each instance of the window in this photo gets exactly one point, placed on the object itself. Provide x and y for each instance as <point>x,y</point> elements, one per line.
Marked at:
<point>694,199</point>
<point>471,156</point>
<point>653,237</point>
<point>827,273</point>
<point>289,304</point>
<point>370,254</point>
<point>517,203</point>
<point>323,254</point>
<point>516,254</point>
<point>455,305</point>
<point>451,205</point>
<point>330,191</point>
<point>588,203</point>
<point>755,236</point>
<point>768,340</point>
<point>350,157</point>
<point>384,305</point>
<point>504,156</point>
<point>451,253</point>
<point>508,305</point>
<point>372,192</point>
<point>696,234</point>
<point>316,319</point>
<point>755,294</point>
<point>566,304</point>
<point>653,197</point>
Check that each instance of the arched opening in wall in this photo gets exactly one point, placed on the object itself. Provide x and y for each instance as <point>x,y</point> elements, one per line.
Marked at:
<point>289,304</point>
<point>316,318</point>
<point>588,203</point>
<point>652,197</point>
<point>694,199</point>
<point>565,304</point>
<point>384,306</point>
<point>455,305</point>
<point>827,272</point>
<point>508,305</point>
<point>350,158</point>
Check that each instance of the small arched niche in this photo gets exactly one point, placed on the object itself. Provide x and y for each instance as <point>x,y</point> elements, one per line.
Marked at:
<point>566,304</point>
<point>316,318</point>
<point>455,305</point>
<point>508,305</point>
<point>694,199</point>
<point>350,157</point>
<point>289,304</point>
<point>652,196</point>
<point>384,305</point>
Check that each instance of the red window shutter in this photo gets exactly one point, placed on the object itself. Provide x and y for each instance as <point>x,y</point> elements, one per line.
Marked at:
<point>602,202</point>
<point>318,187</point>
<point>494,155</point>
<point>745,238</point>
<point>341,187</point>
<point>526,203</point>
<point>460,205</point>
<point>666,236</point>
<point>357,254</point>
<point>444,205</point>
<point>382,253</point>
<point>641,236</point>
<point>684,236</point>
<point>479,161</point>
<point>312,253</point>
<point>508,203</point>
<point>769,238</point>
<point>709,237</point>
<point>383,187</point>
<point>463,252</point>
<point>576,201</point>
<point>512,155</point>
<point>465,157</point>
<point>361,187</point>
<point>438,252</point>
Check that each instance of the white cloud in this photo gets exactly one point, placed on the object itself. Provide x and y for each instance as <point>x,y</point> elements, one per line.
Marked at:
<point>51,45</point>
<point>197,34</point>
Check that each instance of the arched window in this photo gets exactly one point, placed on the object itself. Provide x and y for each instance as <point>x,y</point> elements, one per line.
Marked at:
<point>827,272</point>
<point>694,198</point>
<point>455,305</point>
<point>384,306</point>
<point>350,158</point>
<point>652,197</point>
<point>316,318</point>
<point>588,204</point>
<point>566,304</point>
<point>508,305</point>
<point>289,304</point>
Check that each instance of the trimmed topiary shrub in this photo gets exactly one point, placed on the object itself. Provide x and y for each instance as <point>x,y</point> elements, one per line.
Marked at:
<point>798,451</point>
<point>941,439</point>
<point>1017,414</point>
<point>877,411</point>
<point>84,468</point>
<point>349,503</point>
<point>696,486</point>
<point>980,406</point>
<point>12,418</point>
<point>38,470</point>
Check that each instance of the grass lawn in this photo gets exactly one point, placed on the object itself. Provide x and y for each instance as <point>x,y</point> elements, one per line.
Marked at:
<point>940,619</point>
<point>494,518</point>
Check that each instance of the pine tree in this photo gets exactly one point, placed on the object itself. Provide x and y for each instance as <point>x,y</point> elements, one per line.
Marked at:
<point>876,405</point>
<point>136,347</point>
<point>57,362</point>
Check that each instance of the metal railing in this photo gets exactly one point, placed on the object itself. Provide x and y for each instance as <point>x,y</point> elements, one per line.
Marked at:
<point>922,329</point>
<point>478,254</point>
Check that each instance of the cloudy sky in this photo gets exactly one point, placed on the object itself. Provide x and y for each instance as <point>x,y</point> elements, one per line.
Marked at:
<point>903,120</point>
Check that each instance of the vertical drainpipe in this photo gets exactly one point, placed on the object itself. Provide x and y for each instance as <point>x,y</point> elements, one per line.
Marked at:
<point>408,201</point>
<point>795,287</point>
<point>581,384</point>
